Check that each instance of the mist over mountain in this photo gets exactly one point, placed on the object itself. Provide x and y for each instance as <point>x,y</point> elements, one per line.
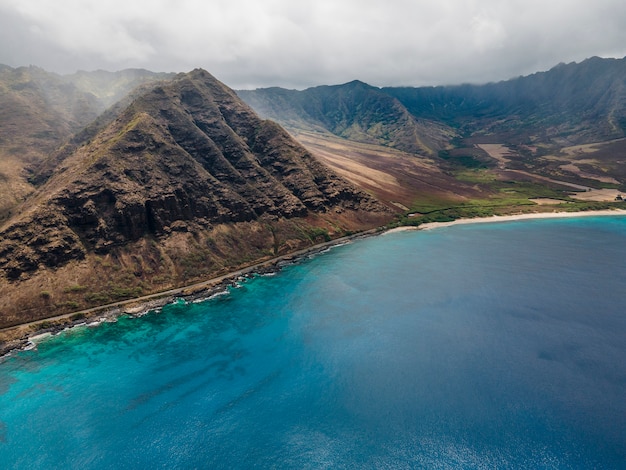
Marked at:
<point>355,111</point>
<point>40,110</point>
<point>182,182</point>
<point>571,103</point>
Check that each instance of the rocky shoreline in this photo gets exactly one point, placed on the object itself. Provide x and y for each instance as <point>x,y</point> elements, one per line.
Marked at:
<point>25,337</point>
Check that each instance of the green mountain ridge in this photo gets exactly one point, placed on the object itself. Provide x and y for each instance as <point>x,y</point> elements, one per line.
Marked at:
<point>355,111</point>
<point>570,104</point>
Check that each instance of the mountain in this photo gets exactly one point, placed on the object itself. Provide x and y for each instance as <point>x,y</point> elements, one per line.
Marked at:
<point>355,111</point>
<point>540,121</point>
<point>184,182</point>
<point>40,110</point>
<point>570,104</point>
<point>179,179</point>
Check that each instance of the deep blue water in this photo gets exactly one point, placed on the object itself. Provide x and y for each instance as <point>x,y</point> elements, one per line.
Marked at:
<point>474,346</point>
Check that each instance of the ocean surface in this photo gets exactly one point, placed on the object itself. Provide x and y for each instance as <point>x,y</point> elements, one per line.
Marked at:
<point>474,346</point>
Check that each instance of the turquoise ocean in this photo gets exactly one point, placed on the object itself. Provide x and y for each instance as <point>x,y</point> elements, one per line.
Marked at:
<point>499,345</point>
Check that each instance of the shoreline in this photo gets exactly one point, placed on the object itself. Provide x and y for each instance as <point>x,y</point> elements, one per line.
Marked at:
<point>218,285</point>
<point>137,307</point>
<point>516,217</point>
<point>508,218</point>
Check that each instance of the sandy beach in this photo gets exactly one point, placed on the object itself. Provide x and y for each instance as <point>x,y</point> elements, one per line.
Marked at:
<point>509,218</point>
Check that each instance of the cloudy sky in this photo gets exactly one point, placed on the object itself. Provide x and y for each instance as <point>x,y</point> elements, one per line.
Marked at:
<point>301,43</point>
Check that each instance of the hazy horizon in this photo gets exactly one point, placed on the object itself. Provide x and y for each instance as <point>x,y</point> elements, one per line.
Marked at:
<point>298,88</point>
<point>249,44</point>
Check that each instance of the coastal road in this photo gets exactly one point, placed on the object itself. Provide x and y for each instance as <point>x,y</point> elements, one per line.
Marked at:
<point>141,303</point>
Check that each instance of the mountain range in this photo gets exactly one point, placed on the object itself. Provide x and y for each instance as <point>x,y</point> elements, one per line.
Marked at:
<point>354,111</point>
<point>570,104</point>
<point>567,123</point>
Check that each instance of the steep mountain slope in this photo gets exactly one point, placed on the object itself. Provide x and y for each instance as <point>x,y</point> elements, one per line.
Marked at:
<point>355,111</point>
<point>40,110</point>
<point>571,103</point>
<point>539,118</point>
<point>37,112</point>
<point>186,181</point>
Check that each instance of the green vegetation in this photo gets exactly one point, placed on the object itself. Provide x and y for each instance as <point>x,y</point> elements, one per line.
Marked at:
<point>197,263</point>
<point>603,185</point>
<point>113,293</point>
<point>119,292</point>
<point>476,176</point>
<point>69,305</point>
<point>485,208</point>
<point>97,298</point>
<point>508,189</point>
<point>502,197</point>
<point>317,234</point>
<point>75,288</point>
<point>463,160</point>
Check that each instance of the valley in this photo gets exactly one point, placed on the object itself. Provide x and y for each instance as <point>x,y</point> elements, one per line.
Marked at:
<point>394,177</point>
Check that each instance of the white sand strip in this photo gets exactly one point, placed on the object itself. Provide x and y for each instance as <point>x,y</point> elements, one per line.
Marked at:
<point>508,218</point>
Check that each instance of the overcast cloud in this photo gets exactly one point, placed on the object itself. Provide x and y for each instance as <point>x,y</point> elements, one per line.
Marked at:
<point>296,44</point>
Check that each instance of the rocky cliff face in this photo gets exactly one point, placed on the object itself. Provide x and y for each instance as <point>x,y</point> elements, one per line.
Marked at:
<point>184,157</point>
<point>569,104</point>
<point>39,111</point>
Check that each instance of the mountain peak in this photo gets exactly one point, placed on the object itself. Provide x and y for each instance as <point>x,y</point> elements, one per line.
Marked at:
<point>359,83</point>
<point>200,73</point>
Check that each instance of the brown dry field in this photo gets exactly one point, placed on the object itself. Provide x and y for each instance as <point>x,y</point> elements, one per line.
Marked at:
<point>498,152</point>
<point>546,201</point>
<point>396,178</point>
<point>583,192</point>
<point>598,195</point>
<point>591,164</point>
